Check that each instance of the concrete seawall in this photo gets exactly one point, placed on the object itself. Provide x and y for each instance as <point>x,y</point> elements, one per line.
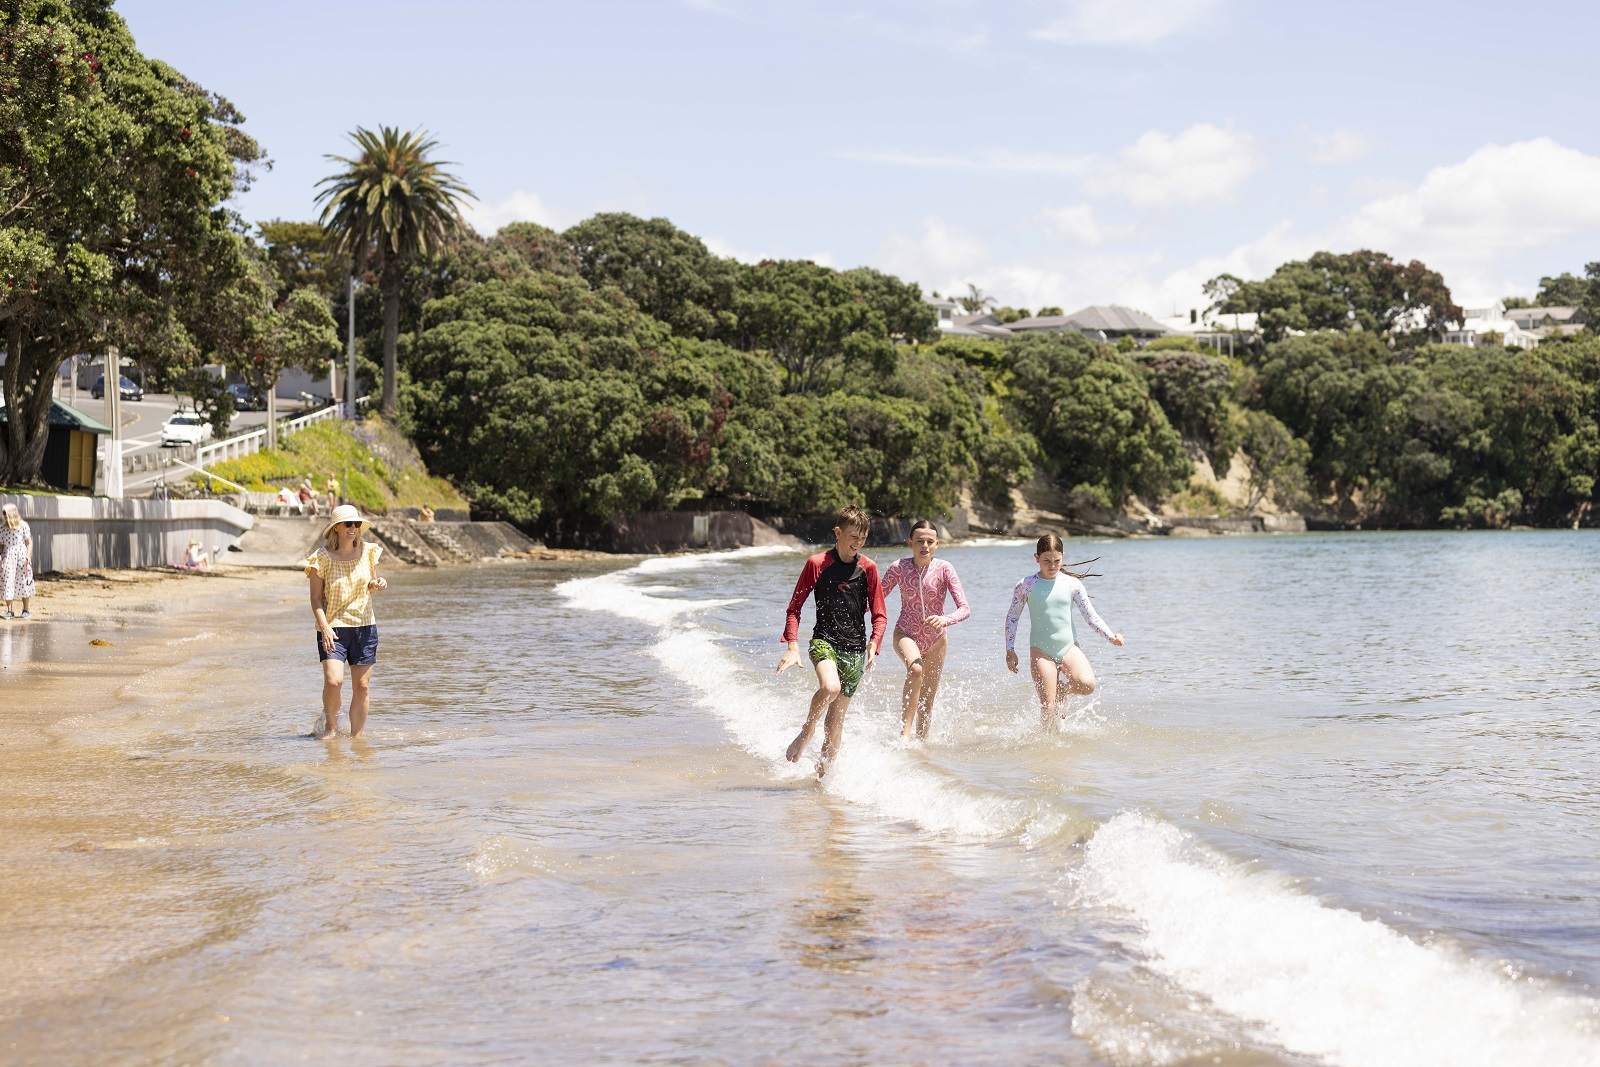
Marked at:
<point>80,532</point>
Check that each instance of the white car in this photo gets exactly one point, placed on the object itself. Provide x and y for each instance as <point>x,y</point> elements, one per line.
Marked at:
<point>184,428</point>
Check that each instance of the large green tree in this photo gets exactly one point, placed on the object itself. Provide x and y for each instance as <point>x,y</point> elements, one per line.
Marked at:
<point>115,171</point>
<point>827,328</point>
<point>1100,433</point>
<point>671,275</point>
<point>1452,435</point>
<point>391,205</point>
<point>1362,290</point>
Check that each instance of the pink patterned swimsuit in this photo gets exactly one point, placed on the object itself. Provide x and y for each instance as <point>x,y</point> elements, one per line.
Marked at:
<point>922,592</point>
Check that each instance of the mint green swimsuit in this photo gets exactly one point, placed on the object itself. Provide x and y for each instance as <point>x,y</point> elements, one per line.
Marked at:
<point>1049,602</point>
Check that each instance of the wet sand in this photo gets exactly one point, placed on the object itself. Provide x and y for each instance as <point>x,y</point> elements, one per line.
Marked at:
<point>94,631</point>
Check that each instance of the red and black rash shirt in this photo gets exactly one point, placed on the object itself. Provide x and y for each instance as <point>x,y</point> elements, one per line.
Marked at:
<point>845,593</point>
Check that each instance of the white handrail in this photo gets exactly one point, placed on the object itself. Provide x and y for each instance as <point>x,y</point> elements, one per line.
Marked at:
<point>208,474</point>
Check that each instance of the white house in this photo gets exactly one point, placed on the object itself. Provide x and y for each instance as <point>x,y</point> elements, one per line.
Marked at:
<point>1488,324</point>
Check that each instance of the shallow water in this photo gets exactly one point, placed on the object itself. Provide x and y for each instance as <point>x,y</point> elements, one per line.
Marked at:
<point>1334,803</point>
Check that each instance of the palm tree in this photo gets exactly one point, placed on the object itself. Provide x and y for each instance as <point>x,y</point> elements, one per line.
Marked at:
<point>391,205</point>
<point>976,302</point>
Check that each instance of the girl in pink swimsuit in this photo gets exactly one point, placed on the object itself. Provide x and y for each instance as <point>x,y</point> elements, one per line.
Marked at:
<point>919,632</point>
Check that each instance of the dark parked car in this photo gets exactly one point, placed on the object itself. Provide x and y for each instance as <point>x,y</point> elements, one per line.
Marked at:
<point>246,399</point>
<point>131,390</point>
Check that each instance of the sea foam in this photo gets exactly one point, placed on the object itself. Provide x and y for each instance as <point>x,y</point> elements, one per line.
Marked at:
<point>1318,980</point>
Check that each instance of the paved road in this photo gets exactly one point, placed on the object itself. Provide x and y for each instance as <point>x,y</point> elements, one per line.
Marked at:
<point>141,430</point>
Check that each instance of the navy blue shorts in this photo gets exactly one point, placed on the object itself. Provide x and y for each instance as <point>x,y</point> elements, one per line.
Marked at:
<point>356,645</point>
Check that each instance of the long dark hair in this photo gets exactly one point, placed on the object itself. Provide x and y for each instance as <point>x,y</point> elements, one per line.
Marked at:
<point>1052,543</point>
<point>923,524</point>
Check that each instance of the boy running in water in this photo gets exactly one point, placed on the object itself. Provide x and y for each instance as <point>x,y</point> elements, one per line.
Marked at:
<point>847,588</point>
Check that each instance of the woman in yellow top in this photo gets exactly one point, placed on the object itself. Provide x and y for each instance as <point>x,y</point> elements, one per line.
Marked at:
<point>344,575</point>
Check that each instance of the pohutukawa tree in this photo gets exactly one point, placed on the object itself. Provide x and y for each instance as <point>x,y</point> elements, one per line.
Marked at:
<point>391,205</point>
<point>115,172</point>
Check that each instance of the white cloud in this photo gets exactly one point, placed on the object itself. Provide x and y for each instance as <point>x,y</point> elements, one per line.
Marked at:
<point>520,206</point>
<point>1339,146</point>
<point>1124,22</point>
<point>1463,219</point>
<point>1078,223</point>
<point>998,159</point>
<point>942,258</point>
<point>1204,162</point>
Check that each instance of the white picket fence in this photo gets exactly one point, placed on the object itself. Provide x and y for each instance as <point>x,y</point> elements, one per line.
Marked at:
<point>228,448</point>
<point>254,441</point>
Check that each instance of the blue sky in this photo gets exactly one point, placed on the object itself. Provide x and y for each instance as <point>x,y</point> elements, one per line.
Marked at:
<point>1051,151</point>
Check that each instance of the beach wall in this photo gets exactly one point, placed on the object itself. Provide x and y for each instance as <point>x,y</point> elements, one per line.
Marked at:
<point>675,531</point>
<point>80,532</point>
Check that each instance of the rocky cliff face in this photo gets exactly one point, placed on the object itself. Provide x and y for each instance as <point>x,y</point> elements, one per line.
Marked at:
<point>1211,505</point>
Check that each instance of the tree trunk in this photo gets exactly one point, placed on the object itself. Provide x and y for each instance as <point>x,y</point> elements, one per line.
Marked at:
<point>27,402</point>
<point>391,276</point>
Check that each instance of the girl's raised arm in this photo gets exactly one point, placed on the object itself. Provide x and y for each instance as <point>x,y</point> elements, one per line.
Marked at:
<point>1019,600</point>
<point>1080,596</point>
<point>953,583</point>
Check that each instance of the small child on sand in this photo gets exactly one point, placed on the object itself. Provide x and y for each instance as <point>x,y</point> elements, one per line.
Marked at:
<point>1054,650</point>
<point>847,588</point>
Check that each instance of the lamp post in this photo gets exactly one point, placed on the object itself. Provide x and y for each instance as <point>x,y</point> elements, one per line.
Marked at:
<point>350,366</point>
<point>113,395</point>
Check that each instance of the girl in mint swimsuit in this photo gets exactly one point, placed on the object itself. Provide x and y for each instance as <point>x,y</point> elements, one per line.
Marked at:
<point>1054,653</point>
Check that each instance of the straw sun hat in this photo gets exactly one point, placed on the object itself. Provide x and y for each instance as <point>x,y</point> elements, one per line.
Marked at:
<point>345,513</point>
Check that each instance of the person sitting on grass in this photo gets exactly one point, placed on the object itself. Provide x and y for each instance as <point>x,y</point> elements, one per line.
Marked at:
<point>344,575</point>
<point>847,588</point>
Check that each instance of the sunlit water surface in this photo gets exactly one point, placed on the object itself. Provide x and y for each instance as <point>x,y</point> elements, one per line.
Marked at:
<point>1335,803</point>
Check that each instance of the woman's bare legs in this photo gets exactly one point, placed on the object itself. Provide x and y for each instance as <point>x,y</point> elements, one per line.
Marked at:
<point>932,669</point>
<point>360,685</point>
<point>332,683</point>
<point>911,695</point>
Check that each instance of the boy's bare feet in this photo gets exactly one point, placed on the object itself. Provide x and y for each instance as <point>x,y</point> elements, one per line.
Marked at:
<point>796,748</point>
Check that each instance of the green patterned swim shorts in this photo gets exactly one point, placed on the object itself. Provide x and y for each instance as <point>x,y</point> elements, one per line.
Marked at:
<point>851,664</point>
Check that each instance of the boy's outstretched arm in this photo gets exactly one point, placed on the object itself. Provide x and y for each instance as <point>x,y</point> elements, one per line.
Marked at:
<point>880,615</point>
<point>797,603</point>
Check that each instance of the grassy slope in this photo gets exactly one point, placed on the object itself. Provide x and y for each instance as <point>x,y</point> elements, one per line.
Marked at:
<point>384,470</point>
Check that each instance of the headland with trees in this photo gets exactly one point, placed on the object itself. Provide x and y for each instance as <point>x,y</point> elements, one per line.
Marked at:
<point>561,378</point>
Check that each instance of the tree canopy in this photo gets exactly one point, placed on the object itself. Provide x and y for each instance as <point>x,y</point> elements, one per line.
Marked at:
<point>114,177</point>
<point>1357,290</point>
<point>671,275</point>
<point>393,204</point>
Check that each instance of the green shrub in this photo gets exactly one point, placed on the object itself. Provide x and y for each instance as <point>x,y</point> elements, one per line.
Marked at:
<point>366,495</point>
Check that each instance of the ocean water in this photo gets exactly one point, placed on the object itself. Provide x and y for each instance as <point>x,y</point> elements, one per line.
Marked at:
<point>1334,803</point>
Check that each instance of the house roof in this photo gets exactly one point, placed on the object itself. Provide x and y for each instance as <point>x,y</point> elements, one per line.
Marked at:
<point>1559,314</point>
<point>1098,318</point>
<point>1111,317</point>
<point>70,417</point>
<point>978,329</point>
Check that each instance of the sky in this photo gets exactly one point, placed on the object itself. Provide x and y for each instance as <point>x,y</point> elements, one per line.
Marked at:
<point>1051,152</point>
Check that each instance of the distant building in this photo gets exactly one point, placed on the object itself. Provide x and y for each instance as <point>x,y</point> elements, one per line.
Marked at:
<point>1546,322</point>
<point>947,309</point>
<point>1488,324</point>
<point>1101,322</point>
